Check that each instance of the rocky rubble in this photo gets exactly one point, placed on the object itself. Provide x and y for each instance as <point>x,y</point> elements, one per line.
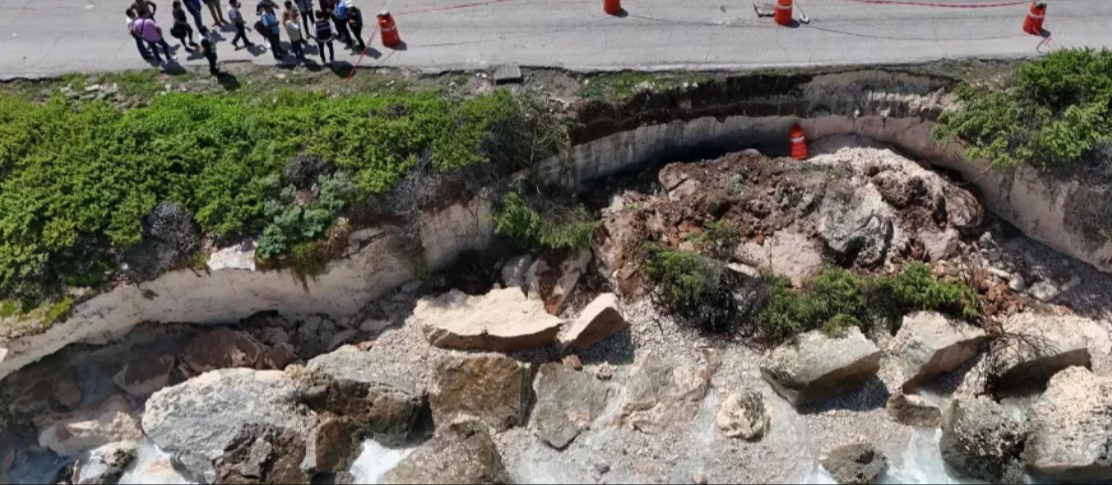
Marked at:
<point>980,438</point>
<point>568,401</point>
<point>1036,347</point>
<point>929,344</point>
<point>492,389</point>
<point>461,452</point>
<point>84,430</point>
<point>859,463</point>
<point>104,465</point>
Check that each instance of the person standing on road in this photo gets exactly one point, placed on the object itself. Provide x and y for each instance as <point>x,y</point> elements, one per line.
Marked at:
<point>324,37</point>
<point>305,7</point>
<point>216,12</point>
<point>355,22</point>
<point>181,29</point>
<point>293,31</point>
<point>236,16</point>
<point>269,20</point>
<point>144,8</point>
<point>208,49</point>
<point>152,34</point>
<point>340,16</point>
<point>263,4</point>
<point>131,18</point>
<point>194,8</point>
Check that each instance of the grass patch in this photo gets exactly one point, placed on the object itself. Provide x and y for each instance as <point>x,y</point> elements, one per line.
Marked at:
<point>619,86</point>
<point>80,177</point>
<point>1054,111</point>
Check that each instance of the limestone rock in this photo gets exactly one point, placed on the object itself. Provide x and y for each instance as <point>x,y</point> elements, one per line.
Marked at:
<point>859,463</point>
<point>104,465</point>
<point>493,389</point>
<point>553,277</point>
<point>262,454</point>
<point>86,429</point>
<point>929,344</point>
<point>1037,347</point>
<point>856,225</point>
<point>195,421</point>
<point>599,320</point>
<point>515,269</point>
<point>221,349</point>
<point>980,438</point>
<point>744,415</point>
<point>368,409</point>
<point>459,453</point>
<point>502,320</point>
<point>332,446</point>
<point>1071,429</point>
<point>817,367</point>
<point>939,244</point>
<point>568,401</point>
<point>659,394</point>
<point>143,376</point>
<point>913,410</point>
<point>278,357</point>
<point>786,253</point>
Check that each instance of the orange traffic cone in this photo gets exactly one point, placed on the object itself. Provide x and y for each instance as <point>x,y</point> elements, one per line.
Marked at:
<point>1033,24</point>
<point>799,142</point>
<point>389,30</point>
<point>783,14</point>
<point>612,7</point>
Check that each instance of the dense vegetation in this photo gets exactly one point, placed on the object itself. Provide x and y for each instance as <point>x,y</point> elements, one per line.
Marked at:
<point>541,223</point>
<point>1054,111</point>
<point>81,180</point>
<point>702,291</point>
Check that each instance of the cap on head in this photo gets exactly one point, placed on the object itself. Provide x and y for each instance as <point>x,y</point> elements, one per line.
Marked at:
<point>349,4</point>
<point>384,13</point>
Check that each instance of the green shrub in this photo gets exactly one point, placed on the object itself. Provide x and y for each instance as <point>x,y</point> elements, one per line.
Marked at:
<point>58,311</point>
<point>558,227</point>
<point>915,289</point>
<point>837,299</point>
<point>1056,110</point>
<point>697,290</point>
<point>79,177</point>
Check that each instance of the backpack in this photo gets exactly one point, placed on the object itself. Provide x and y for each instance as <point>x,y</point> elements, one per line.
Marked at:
<point>178,30</point>
<point>261,29</point>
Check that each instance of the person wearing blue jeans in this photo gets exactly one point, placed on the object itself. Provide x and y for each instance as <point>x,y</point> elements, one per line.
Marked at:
<point>194,8</point>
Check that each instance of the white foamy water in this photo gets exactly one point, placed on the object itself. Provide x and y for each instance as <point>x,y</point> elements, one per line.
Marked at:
<point>374,461</point>
<point>921,461</point>
<point>152,466</point>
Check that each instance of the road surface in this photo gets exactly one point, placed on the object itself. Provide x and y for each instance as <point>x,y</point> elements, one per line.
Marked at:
<point>51,37</point>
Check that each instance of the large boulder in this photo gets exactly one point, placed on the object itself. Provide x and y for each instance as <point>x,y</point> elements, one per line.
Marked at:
<point>929,344</point>
<point>856,224</point>
<point>493,389</point>
<point>143,376</point>
<point>859,463</point>
<point>817,367</point>
<point>197,420</point>
<point>568,401</point>
<point>913,410</point>
<point>86,429</point>
<point>221,349</point>
<point>599,320</point>
<point>553,277</point>
<point>262,454</point>
<point>1071,429</point>
<point>659,394</point>
<point>787,253</point>
<point>502,320</point>
<point>980,438</point>
<point>459,453</point>
<point>1036,347</point>
<point>104,465</point>
<point>744,415</point>
<point>349,383</point>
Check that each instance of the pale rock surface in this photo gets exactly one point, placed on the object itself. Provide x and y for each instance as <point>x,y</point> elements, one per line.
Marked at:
<point>553,277</point>
<point>493,389</point>
<point>502,320</point>
<point>817,367</point>
<point>599,319</point>
<point>1071,429</point>
<point>787,253</point>
<point>86,429</point>
<point>568,401</point>
<point>928,345</point>
<point>744,415</point>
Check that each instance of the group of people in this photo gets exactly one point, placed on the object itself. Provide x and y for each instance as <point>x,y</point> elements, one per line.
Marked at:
<point>334,20</point>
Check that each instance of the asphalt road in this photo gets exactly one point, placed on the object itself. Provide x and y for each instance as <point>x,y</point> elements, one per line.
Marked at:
<point>50,37</point>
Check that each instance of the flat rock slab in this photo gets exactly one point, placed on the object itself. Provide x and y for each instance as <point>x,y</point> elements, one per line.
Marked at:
<point>599,320</point>
<point>1070,428</point>
<point>1039,346</point>
<point>501,321</point>
<point>929,345</point>
<point>508,73</point>
<point>817,367</point>
<point>568,401</point>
